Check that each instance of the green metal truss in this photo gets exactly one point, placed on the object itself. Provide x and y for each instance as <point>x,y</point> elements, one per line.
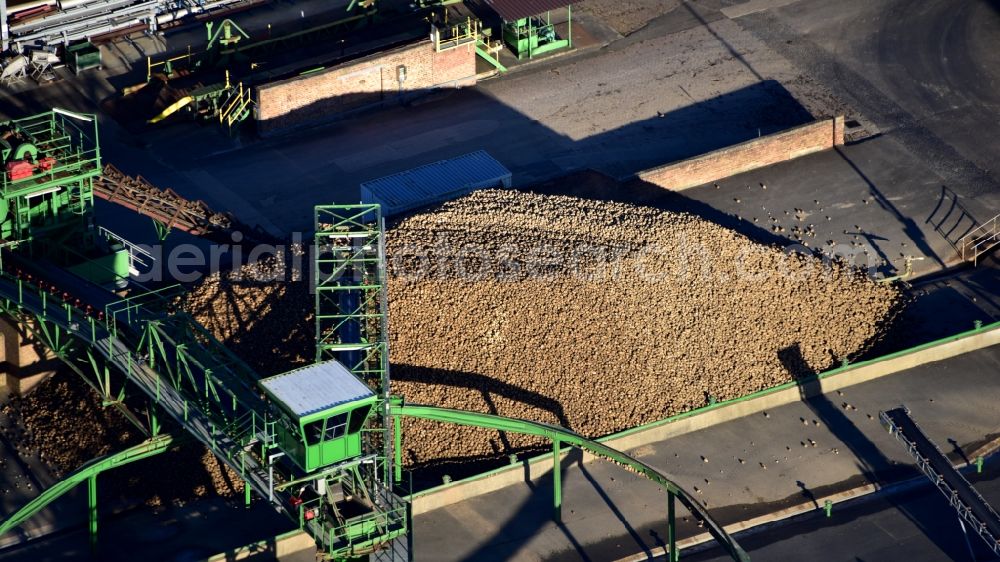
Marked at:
<point>349,279</point>
<point>188,375</point>
<point>560,436</point>
<point>91,367</point>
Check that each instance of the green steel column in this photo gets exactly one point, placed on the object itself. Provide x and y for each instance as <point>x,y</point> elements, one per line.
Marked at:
<point>397,437</point>
<point>556,482</point>
<point>671,531</point>
<point>162,230</point>
<point>92,508</point>
<point>154,421</point>
<point>246,492</point>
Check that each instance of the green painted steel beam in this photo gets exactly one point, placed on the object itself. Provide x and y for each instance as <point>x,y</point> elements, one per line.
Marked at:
<point>92,508</point>
<point>672,529</point>
<point>556,481</point>
<point>486,56</point>
<point>85,473</point>
<point>563,435</point>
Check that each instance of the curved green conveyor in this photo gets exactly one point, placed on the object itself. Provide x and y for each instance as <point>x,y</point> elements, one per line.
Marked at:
<point>89,470</point>
<point>560,435</point>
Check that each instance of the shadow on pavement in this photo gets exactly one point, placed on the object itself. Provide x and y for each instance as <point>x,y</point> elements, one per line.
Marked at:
<point>875,467</point>
<point>910,227</point>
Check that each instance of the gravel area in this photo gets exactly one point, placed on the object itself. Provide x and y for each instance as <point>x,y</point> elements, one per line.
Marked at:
<point>261,314</point>
<point>63,422</point>
<point>626,16</point>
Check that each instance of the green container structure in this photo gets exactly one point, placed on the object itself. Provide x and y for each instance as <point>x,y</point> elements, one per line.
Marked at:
<point>105,266</point>
<point>323,409</point>
<point>83,56</point>
<point>527,26</point>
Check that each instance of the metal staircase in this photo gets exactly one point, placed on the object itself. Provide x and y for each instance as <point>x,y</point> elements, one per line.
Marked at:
<point>236,107</point>
<point>980,240</point>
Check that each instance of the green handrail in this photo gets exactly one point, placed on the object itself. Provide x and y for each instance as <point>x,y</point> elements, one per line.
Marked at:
<point>89,470</point>
<point>557,435</point>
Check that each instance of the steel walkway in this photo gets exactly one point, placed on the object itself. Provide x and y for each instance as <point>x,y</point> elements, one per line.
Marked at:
<point>971,507</point>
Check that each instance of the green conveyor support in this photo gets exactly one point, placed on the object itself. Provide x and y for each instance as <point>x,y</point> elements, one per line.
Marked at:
<point>89,470</point>
<point>558,434</point>
<point>485,54</point>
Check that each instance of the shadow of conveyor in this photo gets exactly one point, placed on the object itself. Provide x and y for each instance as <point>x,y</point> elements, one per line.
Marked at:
<point>490,388</point>
<point>873,464</point>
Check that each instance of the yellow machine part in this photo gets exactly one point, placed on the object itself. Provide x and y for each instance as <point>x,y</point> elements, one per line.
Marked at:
<point>171,109</point>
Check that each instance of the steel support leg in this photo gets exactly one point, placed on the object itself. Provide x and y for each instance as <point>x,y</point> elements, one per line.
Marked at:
<point>671,530</point>
<point>92,509</point>
<point>246,493</point>
<point>162,230</point>
<point>397,437</point>
<point>556,482</point>
<point>968,544</point>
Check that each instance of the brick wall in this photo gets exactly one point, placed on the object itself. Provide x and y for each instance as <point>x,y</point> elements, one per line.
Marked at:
<point>750,155</point>
<point>365,82</point>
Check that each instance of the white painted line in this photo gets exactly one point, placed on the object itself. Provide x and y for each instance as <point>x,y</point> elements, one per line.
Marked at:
<point>753,6</point>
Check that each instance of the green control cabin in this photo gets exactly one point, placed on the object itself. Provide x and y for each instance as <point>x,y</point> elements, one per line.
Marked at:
<point>324,407</point>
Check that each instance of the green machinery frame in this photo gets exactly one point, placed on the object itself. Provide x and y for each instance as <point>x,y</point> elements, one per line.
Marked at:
<point>53,201</point>
<point>187,374</point>
<point>46,212</point>
<point>533,36</point>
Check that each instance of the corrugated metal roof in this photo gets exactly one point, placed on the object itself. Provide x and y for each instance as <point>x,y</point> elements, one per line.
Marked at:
<point>433,183</point>
<point>512,10</point>
<point>315,388</point>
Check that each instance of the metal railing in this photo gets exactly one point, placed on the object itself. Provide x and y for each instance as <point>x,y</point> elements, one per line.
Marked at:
<point>956,489</point>
<point>167,64</point>
<point>234,110</point>
<point>138,257</point>
<point>980,240</point>
<point>447,36</point>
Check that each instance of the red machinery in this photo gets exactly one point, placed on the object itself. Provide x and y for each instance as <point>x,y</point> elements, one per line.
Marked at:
<point>21,169</point>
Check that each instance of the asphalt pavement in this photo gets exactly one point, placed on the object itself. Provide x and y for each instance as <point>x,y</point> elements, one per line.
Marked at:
<point>908,524</point>
<point>924,72</point>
